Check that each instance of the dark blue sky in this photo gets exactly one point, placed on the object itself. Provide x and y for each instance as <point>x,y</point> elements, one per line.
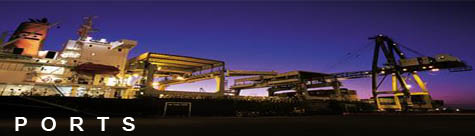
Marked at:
<point>281,36</point>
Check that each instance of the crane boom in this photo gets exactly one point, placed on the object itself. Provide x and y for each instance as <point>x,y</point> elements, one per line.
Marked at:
<point>441,62</point>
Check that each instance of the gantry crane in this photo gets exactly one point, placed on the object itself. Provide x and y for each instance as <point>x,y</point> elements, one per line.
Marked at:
<point>396,67</point>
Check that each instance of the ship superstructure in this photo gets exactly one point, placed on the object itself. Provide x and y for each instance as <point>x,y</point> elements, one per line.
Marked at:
<point>84,67</point>
<point>89,67</point>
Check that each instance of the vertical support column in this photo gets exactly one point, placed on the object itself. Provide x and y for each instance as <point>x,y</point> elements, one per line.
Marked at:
<point>74,91</point>
<point>220,83</point>
<point>336,86</point>
<point>146,71</point>
<point>147,80</point>
<point>150,72</point>
<point>397,102</point>
<point>374,71</point>
<point>394,82</point>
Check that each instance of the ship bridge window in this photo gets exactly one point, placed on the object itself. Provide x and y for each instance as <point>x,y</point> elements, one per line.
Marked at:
<point>70,54</point>
<point>72,47</point>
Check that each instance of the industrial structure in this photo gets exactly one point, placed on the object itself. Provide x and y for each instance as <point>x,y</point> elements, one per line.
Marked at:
<point>399,98</point>
<point>84,68</point>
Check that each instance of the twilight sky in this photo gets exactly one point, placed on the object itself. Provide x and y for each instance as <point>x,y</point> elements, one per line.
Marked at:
<point>281,36</point>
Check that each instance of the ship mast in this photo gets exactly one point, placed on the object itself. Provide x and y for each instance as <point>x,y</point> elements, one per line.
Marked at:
<point>86,28</point>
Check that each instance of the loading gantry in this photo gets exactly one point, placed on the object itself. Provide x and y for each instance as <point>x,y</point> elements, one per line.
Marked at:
<point>397,65</point>
<point>401,97</point>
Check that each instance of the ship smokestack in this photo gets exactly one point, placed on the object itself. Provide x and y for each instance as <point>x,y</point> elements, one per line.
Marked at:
<point>29,37</point>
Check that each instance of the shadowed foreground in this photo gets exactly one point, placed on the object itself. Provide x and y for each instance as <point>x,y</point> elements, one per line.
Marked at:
<point>309,125</point>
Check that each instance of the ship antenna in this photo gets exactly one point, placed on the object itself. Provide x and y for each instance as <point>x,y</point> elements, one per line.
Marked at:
<point>86,28</point>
